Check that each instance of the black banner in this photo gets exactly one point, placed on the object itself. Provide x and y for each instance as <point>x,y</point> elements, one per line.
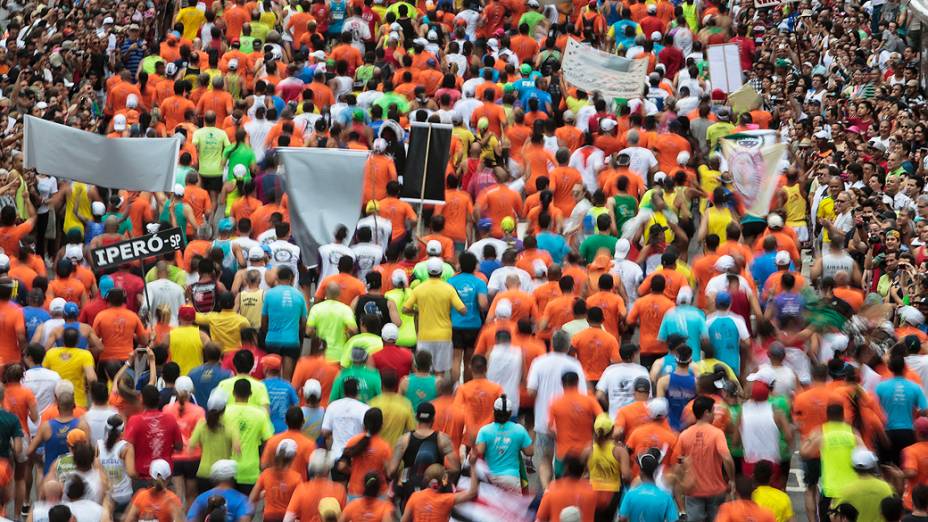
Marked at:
<point>138,248</point>
<point>426,162</point>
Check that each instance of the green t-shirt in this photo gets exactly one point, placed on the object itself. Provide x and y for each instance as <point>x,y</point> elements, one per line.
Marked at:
<point>10,428</point>
<point>391,98</point>
<point>125,227</point>
<point>368,383</point>
<point>370,342</point>
<point>175,274</point>
<point>258,397</point>
<point>210,143</point>
<point>532,18</point>
<point>253,427</point>
<point>364,73</point>
<point>625,208</point>
<point>214,445</point>
<point>330,318</point>
<point>240,154</point>
<point>591,246</point>
<point>180,174</point>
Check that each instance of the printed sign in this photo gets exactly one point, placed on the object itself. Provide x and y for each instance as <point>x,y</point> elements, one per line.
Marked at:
<point>138,248</point>
<point>593,70</point>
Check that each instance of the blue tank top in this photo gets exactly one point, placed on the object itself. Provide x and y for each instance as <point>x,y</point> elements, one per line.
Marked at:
<point>82,340</point>
<point>680,391</point>
<point>57,444</point>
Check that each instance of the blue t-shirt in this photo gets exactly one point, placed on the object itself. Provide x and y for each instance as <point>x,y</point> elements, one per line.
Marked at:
<point>648,503</point>
<point>788,303</point>
<point>282,397</point>
<point>284,307</point>
<point>205,379</point>
<point>237,505</point>
<point>899,397</point>
<point>688,321</point>
<point>725,334</point>
<point>762,267</point>
<point>34,316</point>
<point>505,443</point>
<point>488,266</point>
<point>535,92</point>
<point>469,288</point>
<point>554,244</point>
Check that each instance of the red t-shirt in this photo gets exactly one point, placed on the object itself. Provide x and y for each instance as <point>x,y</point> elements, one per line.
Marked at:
<point>394,358</point>
<point>132,284</point>
<point>153,434</point>
<point>257,372</point>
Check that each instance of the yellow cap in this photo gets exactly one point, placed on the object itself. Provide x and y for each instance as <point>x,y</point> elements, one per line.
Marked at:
<point>603,424</point>
<point>483,123</point>
<point>329,507</point>
<point>372,206</point>
<point>508,224</point>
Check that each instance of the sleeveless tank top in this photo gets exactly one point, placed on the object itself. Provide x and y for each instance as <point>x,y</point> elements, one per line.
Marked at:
<point>420,389</point>
<point>419,455</point>
<point>832,264</point>
<point>165,217</point>
<point>759,433</point>
<point>94,485</point>
<point>681,389</point>
<point>795,206</point>
<point>838,441</point>
<point>82,341</point>
<point>57,444</point>
<point>115,469</point>
<point>719,219</point>
<point>77,204</point>
<point>186,348</point>
<point>65,468</point>
<point>204,296</point>
<point>604,468</point>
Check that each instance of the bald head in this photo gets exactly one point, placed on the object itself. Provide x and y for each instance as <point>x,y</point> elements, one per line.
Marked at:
<point>332,291</point>
<point>52,491</point>
<point>512,281</point>
<point>111,225</point>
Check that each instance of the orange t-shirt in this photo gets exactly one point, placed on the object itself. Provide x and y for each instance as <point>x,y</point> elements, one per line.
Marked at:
<point>566,492</point>
<point>854,297</point>
<point>11,235</point>
<point>304,448</point>
<point>152,505</point>
<point>648,435</point>
<point>429,505</point>
<point>631,416</point>
<point>372,459</point>
<point>278,486</point>
<point>613,307</point>
<point>261,217</point>
<point>350,285</point>
<point>448,419</point>
<point>447,246</point>
<point>673,280</point>
<point>244,207</point>
<point>703,271</point>
<point>199,202</point>
<point>499,202</point>
<point>397,211</point>
<point>12,325</point>
<point>648,311</point>
<point>744,510</point>
<point>305,500</point>
<point>24,273</point>
<point>564,179</point>
<point>545,293</point>
<point>173,109</point>
<point>666,148</point>
<point>315,367</point>
<point>495,114</point>
<point>378,171</point>
<point>117,328</point>
<point>18,400</point>
<point>457,209</point>
<point>367,510</point>
<point>487,338</point>
<point>571,417</point>
<point>475,398</point>
<point>809,409</point>
<point>69,289</point>
<point>703,445</point>
<point>596,350</point>
<point>915,458</point>
<point>523,304</point>
<point>559,311</point>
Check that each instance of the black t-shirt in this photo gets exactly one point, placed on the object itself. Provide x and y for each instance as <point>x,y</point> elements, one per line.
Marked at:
<point>915,518</point>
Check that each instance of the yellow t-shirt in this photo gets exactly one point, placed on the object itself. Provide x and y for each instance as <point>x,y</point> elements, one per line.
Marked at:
<point>775,500</point>
<point>397,416</point>
<point>193,19</point>
<point>225,328</point>
<point>186,347</point>
<point>69,363</point>
<point>826,211</point>
<point>434,299</point>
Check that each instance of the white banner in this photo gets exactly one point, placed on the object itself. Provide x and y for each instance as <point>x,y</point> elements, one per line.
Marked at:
<point>755,169</point>
<point>594,70</point>
<point>725,66</point>
<point>770,3</point>
<point>324,190</point>
<point>132,164</point>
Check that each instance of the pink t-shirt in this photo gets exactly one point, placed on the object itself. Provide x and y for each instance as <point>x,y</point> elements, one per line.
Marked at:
<point>186,421</point>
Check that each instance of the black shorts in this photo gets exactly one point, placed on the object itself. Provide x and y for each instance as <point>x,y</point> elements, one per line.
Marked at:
<point>284,351</point>
<point>211,183</point>
<point>464,338</point>
<point>186,468</point>
<point>812,471</point>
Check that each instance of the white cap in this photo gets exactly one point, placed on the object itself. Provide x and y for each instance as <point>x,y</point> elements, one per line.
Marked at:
<point>97,208</point>
<point>435,266</point>
<point>57,305</point>
<point>532,3</point>
<point>108,20</point>
<point>863,459</point>
<point>433,248</point>
<point>399,276</point>
<point>42,105</point>
<point>319,55</point>
<point>159,469</point>
<point>233,64</point>
<point>502,404</point>
<point>152,228</point>
<point>380,145</point>
<point>782,258</point>
<point>774,221</point>
<point>432,35</point>
<point>63,387</point>
<point>179,190</point>
<point>183,384</point>
<point>223,469</point>
<point>420,41</point>
<point>255,253</point>
<point>911,315</point>
<point>656,36</point>
<point>660,176</point>
<point>286,448</point>
<point>821,134</point>
<point>239,171</point>
<point>607,124</point>
<point>570,514</point>
<point>493,43</point>
<point>503,309</point>
<point>685,295</point>
<point>838,342</point>
<point>170,69</point>
<point>658,407</point>
<point>652,8</point>
<point>312,388</point>
<point>389,332</point>
<point>4,261</point>
<point>683,157</point>
<point>724,263</point>
<point>217,400</point>
<point>119,122</point>
<point>622,246</point>
<point>766,375</point>
<point>318,462</point>
<point>569,115</point>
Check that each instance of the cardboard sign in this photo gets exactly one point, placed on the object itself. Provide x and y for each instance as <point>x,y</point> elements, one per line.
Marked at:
<point>725,66</point>
<point>152,245</point>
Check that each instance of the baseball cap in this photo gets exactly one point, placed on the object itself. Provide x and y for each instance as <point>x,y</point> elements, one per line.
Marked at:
<point>433,248</point>
<point>159,469</point>
<point>97,208</point>
<point>503,308</point>
<point>380,145</point>
<point>217,400</point>
<point>76,436</point>
<point>271,362</point>
<point>782,258</point>
<point>57,305</point>
<point>603,424</point>
<point>358,354</point>
<point>389,332</point>
<point>225,225</point>
<point>502,403</point>
<point>170,69</point>
<point>685,295</point>
<point>660,176</point>
<point>286,448</point>
<point>760,391</point>
<point>256,253</point>
<point>722,299</point>
<point>223,469</point>
<point>186,313</point>
<point>622,246</point>
<point>435,266</point>
<point>508,224</point>
<point>774,221</point>
<point>329,507</point>
<point>570,514</point>
<point>4,261</point>
<point>183,384</point>
<point>724,263</point>
<point>526,68</point>
<point>607,124</point>
<point>71,310</point>
<point>822,134</point>
<point>312,388</point>
<point>484,224</point>
<point>399,276</point>
<point>179,190</point>
<point>119,122</point>
<point>483,123</point>
<point>911,315</point>
<point>642,384</point>
<point>105,284</point>
<point>658,407</point>
<point>863,459</point>
<point>425,412</point>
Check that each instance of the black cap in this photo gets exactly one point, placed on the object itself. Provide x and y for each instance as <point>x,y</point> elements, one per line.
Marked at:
<point>642,384</point>
<point>845,510</point>
<point>425,412</point>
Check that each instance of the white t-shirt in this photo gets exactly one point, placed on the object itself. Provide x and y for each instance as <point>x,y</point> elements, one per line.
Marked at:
<point>544,377</point>
<point>497,281</point>
<point>504,367</point>
<point>329,256</point>
<point>631,275</point>
<point>85,510</point>
<point>477,247</point>
<point>588,165</point>
<point>617,383</point>
<point>641,160</point>
<point>367,256</point>
<point>165,292</point>
<point>381,229</point>
<point>343,418</point>
<point>96,418</point>
<point>284,253</point>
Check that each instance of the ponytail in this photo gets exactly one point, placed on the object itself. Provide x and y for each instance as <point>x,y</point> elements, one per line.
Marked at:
<point>212,419</point>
